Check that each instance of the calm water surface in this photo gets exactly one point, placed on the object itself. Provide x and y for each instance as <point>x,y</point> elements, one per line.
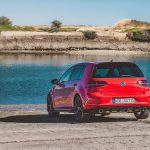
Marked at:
<point>26,79</point>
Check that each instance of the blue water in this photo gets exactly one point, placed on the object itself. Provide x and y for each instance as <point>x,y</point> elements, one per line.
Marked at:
<point>25,79</point>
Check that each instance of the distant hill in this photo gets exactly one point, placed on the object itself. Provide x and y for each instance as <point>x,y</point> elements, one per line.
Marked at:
<point>129,23</point>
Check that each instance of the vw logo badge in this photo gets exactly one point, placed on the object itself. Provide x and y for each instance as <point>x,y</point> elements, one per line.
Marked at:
<point>122,83</point>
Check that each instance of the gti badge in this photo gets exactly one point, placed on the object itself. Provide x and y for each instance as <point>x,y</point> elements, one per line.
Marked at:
<point>122,83</point>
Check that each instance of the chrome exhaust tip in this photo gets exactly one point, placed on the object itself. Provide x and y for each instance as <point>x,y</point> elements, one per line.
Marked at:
<point>144,109</point>
<point>101,111</point>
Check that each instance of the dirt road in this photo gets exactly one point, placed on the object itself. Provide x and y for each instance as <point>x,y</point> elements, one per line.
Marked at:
<point>25,130</point>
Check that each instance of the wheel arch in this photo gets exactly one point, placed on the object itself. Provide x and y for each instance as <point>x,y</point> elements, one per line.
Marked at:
<point>49,97</point>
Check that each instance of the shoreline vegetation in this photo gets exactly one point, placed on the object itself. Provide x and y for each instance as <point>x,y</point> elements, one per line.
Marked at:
<point>125,37</point>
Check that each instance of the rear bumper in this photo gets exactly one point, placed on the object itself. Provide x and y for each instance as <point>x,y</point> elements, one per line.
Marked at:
<point>107,102</point>
<point>101,110</point>
<point>88,106</point>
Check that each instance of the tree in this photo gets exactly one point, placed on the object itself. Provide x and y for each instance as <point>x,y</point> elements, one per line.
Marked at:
<point>55,26</point>
<point>5,21</point>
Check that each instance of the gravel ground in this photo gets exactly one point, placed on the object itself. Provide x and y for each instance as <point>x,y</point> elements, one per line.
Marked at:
<point>25,130</point>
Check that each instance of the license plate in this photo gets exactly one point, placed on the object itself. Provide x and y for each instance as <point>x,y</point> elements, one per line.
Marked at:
<point>123,100</point>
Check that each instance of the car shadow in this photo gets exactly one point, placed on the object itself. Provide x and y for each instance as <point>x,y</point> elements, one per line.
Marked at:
<point>146,121</point>
<point>63,118</point>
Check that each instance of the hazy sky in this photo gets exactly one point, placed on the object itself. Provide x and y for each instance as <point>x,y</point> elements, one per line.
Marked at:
<point>74,12</point>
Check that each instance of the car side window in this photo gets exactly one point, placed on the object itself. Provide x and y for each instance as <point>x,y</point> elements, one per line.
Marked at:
<point>65,77</point>
<point>78,73</point>
<point>116,72</point>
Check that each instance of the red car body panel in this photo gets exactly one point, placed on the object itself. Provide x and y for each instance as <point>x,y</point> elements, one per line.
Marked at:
<point>100,96</point>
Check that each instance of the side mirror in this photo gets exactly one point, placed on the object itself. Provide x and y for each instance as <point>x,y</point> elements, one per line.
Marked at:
<point>54,81</point>
<point>61,84</point>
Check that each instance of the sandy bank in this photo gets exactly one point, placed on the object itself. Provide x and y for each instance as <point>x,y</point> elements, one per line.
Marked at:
<point>23,107</point>
<point>78,52</point>
<point>34,130</point>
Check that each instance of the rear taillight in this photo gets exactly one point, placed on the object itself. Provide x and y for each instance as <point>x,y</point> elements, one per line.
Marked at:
<point>142,82</point>
<point>92,84</point>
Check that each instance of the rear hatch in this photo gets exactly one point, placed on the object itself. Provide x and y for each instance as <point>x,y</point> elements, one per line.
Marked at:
<point>118,79</point>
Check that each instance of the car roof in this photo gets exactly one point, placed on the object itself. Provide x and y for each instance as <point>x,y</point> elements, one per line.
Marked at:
<point>97,63</point>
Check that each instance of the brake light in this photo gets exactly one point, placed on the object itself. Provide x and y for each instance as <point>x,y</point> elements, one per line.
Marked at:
<point>92,84</point>
<point>142,82</point>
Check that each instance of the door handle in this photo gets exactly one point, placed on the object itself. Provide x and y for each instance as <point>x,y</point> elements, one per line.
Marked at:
<point>75,84</point>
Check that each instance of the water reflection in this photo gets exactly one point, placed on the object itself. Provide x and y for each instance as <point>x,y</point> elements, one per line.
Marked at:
<point>54,59</point>
<point>26,78</point>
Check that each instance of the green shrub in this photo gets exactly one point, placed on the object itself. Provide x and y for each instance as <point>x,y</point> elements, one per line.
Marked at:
<point>89,35</point>
<point>5,21</point>
<point>27,28</point>
<point>54,30</point>
<point>132,30</point>
<point>56,24</point>
<point>6,28</point>
<point>16,28</point>
<point>64,29</point>
<point>139,36</point>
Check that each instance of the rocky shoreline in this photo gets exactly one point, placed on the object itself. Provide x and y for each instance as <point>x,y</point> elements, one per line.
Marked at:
<point>23,107</point>
<point>34,42</point>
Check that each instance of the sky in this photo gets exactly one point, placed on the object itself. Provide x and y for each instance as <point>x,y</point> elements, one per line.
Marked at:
<point>74,12</point>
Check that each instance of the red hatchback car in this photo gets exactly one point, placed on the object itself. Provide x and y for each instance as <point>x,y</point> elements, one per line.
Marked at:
<point>100,88</point>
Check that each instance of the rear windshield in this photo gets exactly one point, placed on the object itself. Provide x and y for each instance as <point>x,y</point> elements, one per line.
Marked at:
<point>114,70</point>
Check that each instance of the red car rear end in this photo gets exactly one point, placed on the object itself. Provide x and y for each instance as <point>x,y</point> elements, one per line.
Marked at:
<point>107,87</point>
<point>118,84</point>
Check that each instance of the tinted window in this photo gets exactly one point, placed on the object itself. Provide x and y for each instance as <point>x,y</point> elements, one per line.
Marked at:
<point>112,70</point>
<point>65,77</point>
<point>78,73</point>
<point>132,71</point>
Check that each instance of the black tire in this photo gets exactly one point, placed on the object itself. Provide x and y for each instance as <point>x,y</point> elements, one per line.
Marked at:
<point>80,114</point>
<point>50,108</point>
<point>143,114</point>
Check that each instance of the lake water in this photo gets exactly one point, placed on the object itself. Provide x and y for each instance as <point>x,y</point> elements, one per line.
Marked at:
<point>25,79</point>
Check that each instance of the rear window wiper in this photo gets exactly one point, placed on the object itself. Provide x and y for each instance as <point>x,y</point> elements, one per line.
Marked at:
<point>123,75</point>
